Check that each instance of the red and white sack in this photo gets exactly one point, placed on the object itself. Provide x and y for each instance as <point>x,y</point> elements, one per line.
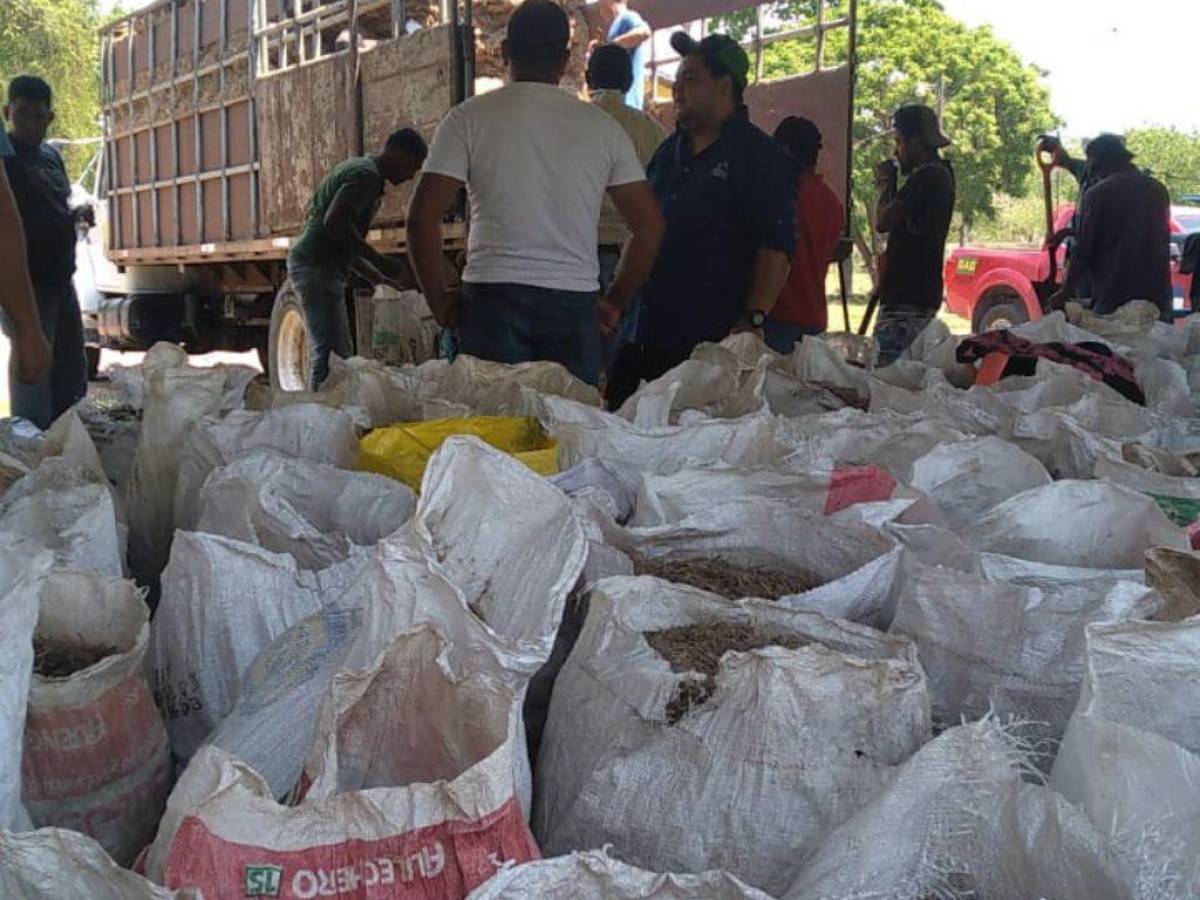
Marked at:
<point>54,863</point>
<point>431,811</point>
<point>96,756</point>
<point>594,875</point>
<point>788,746</point>
<point>493,585</point>
<point>662,499</point>
<point>856,563</point>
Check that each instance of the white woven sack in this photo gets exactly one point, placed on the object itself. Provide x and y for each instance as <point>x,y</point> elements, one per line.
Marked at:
<point>791,743</point>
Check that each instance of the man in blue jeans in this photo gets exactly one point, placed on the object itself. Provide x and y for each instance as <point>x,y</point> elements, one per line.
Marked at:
<point>42,191</point>
<point>334,243</point>
<point>536,162</point>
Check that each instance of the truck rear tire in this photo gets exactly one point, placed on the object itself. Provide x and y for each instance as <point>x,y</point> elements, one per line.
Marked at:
<point>287,342</point>
<point>999,312</point>
<point>93,361</point>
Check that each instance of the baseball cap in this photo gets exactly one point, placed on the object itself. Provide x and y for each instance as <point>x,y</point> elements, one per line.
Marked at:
<point>917,121</point>
<point>722,54</point>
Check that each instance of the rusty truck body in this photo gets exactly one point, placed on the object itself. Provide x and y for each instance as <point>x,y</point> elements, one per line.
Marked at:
<point>220,118</point>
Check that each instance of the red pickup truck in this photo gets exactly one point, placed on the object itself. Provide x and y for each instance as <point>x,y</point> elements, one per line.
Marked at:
<point>994,286</point>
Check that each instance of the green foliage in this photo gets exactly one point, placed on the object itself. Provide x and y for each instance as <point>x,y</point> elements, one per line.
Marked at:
<point>912,51</point>
<point>1173,157</point>
<point>57,40</point>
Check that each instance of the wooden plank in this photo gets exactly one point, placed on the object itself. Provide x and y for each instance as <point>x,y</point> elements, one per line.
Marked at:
<point>299,139</point>
<point>406,83</point>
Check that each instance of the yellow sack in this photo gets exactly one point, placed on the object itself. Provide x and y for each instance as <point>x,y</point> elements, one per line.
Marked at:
<point>402,451</point>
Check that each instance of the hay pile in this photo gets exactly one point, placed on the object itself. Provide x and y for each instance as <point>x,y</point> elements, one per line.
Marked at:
<point>699,648</point>
<point>54,658</point>
<point>730,581</point>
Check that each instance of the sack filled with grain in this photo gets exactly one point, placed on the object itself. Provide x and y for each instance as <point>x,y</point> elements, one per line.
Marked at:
<point>96,755</point>
<point>431,809</point>
<point>774,549</point>
<point>693,732</point>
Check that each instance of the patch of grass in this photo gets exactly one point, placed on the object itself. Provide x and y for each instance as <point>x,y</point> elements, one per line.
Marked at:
<point>860,288</point>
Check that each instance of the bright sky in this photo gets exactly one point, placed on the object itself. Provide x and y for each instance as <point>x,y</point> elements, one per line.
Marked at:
<point>1114,64</point>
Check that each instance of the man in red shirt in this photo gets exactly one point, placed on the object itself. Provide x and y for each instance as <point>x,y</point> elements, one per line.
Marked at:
<point>820,218</point>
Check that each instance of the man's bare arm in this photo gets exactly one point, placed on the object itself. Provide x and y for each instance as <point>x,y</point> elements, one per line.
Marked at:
<point>31,353</point>
<point>339,225</point>
<point>432,199</point>
<point>633,38</point>
<point>639,208</point>
<point>771,268</point>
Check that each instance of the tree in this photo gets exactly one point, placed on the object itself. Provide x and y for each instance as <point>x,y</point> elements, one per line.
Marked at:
<point>912,51</point>
<point>1173,157</point>
<point>57,39</point>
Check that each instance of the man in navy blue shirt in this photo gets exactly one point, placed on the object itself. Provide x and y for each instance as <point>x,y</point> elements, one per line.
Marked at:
<point>728,193</point>
<point>42,190</point>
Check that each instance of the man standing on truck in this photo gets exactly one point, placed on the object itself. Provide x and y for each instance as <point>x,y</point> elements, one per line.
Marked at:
<point>629,31</point>
<point>1124,237</point>
<point>42,191</point>
<point>820,220</point>
<point>536,162</point>
<point>916,219</point>
<point>728,193</point>
<point>609,73</point>
<point>334,243</point>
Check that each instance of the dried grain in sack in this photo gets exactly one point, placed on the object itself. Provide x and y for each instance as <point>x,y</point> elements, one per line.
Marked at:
<point>96,756</point>
<point>788,745</point>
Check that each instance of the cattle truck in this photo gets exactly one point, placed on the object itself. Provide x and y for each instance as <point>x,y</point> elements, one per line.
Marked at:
<point>220,117</point>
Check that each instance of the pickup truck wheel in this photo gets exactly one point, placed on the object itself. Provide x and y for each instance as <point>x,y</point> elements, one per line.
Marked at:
<point>287,342</point>
<point>1000,313</point>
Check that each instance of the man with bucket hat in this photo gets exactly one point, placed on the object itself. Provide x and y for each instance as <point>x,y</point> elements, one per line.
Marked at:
<point>728,195</point>
<point>916,219</point>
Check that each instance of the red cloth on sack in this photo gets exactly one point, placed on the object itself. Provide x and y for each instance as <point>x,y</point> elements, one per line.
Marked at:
<point>819,222</point>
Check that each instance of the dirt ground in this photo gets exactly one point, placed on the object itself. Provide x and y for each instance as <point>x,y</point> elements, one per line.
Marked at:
<point>109,357</point>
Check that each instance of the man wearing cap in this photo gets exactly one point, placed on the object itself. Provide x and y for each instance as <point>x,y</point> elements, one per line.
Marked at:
<point>820,219</point>
<point>728,193</point>
<point>916,219</point>
<point>537,163</point>
<point>1123,241</point>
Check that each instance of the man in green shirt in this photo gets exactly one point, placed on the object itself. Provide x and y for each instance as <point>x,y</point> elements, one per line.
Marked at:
<point>334,243</point>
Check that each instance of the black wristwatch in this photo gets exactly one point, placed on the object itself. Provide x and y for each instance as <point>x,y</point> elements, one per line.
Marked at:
<point>756,318</point>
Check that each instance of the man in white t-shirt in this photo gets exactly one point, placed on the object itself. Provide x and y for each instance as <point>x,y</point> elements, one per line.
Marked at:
<point>536,162</point>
